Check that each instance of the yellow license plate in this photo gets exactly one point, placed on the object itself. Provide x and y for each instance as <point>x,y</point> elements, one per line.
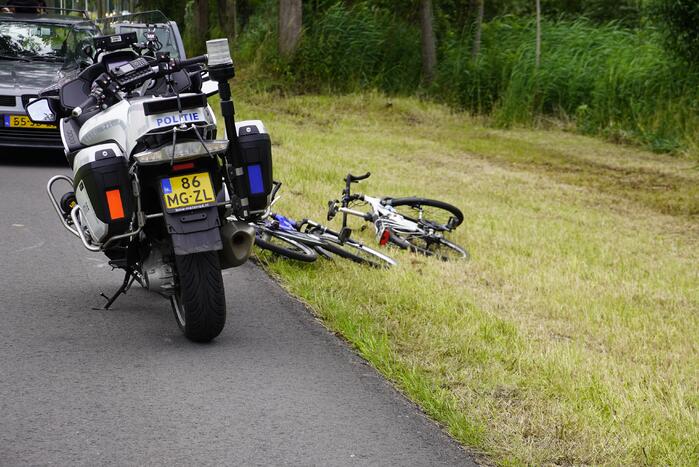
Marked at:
<point>22,121</point>
<point>187,191</point>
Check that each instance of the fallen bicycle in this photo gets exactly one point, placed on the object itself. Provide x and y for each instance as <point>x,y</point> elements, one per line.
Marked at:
<point>399,221</point>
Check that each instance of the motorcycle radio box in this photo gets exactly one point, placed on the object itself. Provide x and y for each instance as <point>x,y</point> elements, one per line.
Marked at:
<point>252,174</point>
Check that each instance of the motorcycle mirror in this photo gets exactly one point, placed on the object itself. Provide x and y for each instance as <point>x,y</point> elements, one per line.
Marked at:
<point>209,88</point>
<point>41,111</point>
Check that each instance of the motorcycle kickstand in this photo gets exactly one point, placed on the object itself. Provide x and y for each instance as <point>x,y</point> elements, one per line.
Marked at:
<point>129,278</point>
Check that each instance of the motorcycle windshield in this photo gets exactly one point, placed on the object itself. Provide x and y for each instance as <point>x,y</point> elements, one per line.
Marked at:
<point>147,26</point>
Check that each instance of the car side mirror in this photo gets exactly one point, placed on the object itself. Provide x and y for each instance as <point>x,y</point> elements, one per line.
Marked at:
<point>41,111</point>
<point>88,51</point>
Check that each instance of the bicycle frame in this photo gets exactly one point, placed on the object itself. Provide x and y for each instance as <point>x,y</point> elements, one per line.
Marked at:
<point>385,218</point>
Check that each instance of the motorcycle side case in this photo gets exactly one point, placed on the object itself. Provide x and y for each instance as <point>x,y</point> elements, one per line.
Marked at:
<point>103,190</point>
<point>252,177</point>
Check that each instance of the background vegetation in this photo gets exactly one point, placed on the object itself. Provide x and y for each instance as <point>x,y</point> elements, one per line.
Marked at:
<point>622,69</point>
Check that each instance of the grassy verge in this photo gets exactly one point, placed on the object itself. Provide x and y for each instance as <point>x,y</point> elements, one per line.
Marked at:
<point>573,334</point>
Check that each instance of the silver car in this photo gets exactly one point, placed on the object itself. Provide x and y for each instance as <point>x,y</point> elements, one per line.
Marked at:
<point>36,52</point>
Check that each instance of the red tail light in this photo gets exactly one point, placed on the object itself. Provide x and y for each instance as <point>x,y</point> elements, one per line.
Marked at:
<point>185,166</point>
<point>385,237</point>
<point>116,208</point>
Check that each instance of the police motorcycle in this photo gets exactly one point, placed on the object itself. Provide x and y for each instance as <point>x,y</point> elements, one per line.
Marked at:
<point>155,187</point>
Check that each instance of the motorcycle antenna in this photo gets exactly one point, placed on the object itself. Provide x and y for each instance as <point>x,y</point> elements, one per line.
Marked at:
<point>221,70</point>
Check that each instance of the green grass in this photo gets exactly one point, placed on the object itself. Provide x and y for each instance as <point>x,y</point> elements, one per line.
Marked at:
<point>571,337</point>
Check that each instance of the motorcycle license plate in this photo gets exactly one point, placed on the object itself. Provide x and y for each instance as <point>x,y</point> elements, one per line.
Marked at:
<point>187,191</point>
<point>22,121</point>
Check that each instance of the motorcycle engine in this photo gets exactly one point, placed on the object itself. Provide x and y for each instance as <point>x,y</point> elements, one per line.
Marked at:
<point>158,272</point>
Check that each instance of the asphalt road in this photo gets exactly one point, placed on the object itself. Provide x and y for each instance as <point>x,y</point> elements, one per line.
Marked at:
<point>124,387</point>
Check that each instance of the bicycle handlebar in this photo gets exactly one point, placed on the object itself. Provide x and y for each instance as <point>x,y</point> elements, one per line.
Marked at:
<point>355,178</point>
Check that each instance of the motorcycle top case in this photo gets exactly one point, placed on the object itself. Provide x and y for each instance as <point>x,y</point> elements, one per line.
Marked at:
<point>252,174</point>
<point>103,190</point>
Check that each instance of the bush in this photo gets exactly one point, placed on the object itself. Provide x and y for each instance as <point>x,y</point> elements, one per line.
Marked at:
<point>680,21</point>
<point>347,49</point>
<point>613,80</point>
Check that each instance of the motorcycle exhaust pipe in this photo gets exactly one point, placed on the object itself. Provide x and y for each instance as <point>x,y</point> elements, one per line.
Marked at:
<point>238,238</point>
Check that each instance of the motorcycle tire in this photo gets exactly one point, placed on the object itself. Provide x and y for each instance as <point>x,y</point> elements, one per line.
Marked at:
<point>200,302</point>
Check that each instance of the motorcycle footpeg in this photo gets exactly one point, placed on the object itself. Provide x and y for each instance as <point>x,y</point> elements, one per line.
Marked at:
<point>67,203</point>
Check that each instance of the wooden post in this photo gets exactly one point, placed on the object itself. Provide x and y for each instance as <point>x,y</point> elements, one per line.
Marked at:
<point>290,23</point>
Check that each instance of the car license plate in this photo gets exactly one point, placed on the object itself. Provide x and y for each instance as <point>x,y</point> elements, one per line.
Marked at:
<point>22,121</point>
<point>187,191</point>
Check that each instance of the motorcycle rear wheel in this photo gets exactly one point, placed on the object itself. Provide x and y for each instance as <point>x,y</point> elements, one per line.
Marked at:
<point>199,305</point>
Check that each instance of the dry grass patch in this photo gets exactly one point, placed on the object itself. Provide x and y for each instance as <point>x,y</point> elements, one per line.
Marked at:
<point>573,334</point>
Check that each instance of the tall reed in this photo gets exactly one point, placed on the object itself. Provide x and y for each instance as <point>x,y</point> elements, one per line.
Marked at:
<point>608,79</point>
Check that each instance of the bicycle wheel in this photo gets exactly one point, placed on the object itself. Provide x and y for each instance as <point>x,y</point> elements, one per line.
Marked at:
<point>355,251</point>
<point>430,245</point>
<point>279,244</point>
<point>437,214</point>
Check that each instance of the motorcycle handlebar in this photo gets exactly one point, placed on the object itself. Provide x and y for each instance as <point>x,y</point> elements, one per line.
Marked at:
<point>89,102</point>
<point>199,60</point>
<point>177,65</point>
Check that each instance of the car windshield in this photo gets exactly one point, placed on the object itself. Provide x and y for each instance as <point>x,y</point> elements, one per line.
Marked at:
<point>141,24</point>
<point>43,41</point>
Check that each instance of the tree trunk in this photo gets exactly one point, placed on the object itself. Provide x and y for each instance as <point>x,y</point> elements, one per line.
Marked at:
<point>290,23</point>
<point>100,8</point>
<point>429,47</point>
<point>201,19</point>
<point>228,18</point>
<point>479,26</point>
<point>538,33</point>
